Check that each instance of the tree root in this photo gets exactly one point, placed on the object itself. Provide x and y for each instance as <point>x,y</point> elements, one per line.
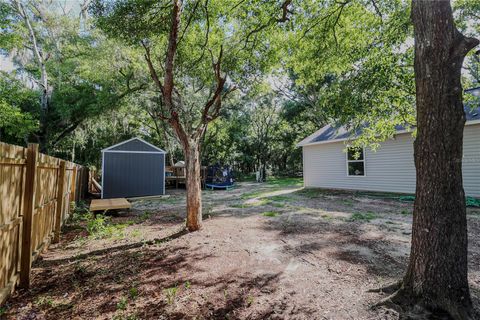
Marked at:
<point>391,288</point>
<point>395,301</point>
<point>410,307</point>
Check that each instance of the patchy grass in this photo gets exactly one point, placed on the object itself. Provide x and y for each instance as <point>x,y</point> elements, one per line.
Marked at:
<point>257,203</point>
<point>278,205</point>
<point>100,227</point>
<point>272,184</point>
<point>310,193</point>
<point>44,301</point>
<point>347,202</point>
<point>285,182</point>
<point>284,198</point>
<point>366,217</point>
<point>145,216</point>
<point>270,214</point>
<point>171,294</point>
<point>253,194</point>
<point>237,267</point>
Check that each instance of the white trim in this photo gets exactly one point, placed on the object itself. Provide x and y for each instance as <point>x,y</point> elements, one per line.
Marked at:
<point>125,151</point>
<point>135,138</point>
<point>103,171</point>
<point>364,164</point>
<point>324,142</point>
<point>304,142</point>
<point>164,173</point>
<point>303,168</point>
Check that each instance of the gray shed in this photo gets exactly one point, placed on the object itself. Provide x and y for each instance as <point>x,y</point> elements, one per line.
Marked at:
<point>133,168</point>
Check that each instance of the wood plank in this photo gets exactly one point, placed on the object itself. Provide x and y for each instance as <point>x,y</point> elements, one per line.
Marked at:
<point>12,161</point>
<point>60,197</point>
<point>96,184</point>
<point>149,197</point>
<point>109,204</point>
<point>29,204</point>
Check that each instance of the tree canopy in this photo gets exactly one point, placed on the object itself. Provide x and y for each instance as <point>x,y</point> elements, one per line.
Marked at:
<point>347,62</point>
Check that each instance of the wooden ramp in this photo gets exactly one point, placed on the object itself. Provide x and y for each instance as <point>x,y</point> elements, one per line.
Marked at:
<point>109,204</point>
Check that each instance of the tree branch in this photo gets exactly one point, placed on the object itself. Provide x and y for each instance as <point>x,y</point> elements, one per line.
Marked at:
<point>151,68</point>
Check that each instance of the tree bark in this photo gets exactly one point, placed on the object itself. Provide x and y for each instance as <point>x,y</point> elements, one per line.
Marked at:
<point>43,82</point>
<point>193,185</point>
<point>436,277</point>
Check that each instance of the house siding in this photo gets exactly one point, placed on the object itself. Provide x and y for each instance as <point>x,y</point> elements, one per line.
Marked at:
<point>390,169</point>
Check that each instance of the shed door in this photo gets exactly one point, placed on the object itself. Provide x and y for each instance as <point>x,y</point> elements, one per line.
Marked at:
<point>133,174</point>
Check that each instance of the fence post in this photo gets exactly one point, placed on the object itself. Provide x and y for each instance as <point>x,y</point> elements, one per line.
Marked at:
<point>60,197</point>
<point>73,189</point>
<point>29,208</point>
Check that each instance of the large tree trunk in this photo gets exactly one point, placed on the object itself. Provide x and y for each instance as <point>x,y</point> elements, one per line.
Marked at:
<point>437,273</point>
<point>193,185</point>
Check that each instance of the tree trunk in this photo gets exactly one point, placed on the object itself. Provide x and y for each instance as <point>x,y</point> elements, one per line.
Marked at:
<point>193,185</point>
<point>437,273</point>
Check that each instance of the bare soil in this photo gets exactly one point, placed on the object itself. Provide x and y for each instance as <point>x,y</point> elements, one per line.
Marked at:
<point>267,251</point>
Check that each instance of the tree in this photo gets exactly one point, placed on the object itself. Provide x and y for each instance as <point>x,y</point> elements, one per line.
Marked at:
<point>69,65</point>
<point>16,103</point>
<point>194,52</point>
<point>436,277</point>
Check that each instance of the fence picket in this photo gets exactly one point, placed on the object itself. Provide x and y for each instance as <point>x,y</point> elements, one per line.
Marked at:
<point>29,207</point>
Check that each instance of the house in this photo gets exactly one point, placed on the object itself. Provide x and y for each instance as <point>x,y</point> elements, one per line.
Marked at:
<point>133,168</point>
<point>390,168</point>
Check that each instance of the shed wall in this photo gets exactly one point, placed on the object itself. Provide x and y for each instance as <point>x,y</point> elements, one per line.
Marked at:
<point>133,174</point>
<point>391,168</point>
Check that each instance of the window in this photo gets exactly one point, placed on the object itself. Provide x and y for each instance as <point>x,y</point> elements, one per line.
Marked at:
<point>356,162</point>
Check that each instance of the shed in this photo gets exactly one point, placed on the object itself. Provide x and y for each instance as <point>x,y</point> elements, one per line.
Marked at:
<point>133,168</point>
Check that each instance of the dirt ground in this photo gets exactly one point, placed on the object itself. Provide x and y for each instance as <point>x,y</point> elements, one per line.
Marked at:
<point>267,251</point>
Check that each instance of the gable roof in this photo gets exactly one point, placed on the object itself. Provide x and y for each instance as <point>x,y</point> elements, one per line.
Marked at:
<point>134,145</point>
<point>335,132</point>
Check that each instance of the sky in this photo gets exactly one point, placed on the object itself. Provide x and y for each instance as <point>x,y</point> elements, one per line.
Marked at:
<point>6,64</point>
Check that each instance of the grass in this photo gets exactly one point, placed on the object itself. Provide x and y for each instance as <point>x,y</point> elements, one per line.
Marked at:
<point>285,182</point>
<point>133,293</point>
<point>310,193</point>
<point>327,217</point>
<point>171,294</point>
<point>281,198</point>
<point>270,214</point>
<point>273,184</point>
<point>358,216</point>
<point>44,301</point>
<point>122,303</point>
<point>100,227</point>
<point>253,194</point>
<point>347,202</point>
<point>278,205</point>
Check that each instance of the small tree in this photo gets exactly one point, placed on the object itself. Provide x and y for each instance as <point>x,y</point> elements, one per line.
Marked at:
<point>189,48</point>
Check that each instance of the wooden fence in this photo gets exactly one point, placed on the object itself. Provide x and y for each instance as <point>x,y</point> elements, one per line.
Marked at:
<point>36,195</point>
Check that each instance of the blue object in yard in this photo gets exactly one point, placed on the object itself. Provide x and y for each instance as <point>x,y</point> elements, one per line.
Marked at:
<point>219,177</point>
<point>219,186</point>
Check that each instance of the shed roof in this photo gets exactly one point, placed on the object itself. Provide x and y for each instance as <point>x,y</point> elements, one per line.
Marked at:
<point>336,132</point>
<point>134,145</point>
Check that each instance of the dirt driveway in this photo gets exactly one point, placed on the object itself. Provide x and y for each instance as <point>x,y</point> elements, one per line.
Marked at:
<point>267,251</point>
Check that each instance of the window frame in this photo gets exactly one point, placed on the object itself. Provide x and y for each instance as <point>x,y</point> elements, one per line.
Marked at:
<point>364,163</point>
